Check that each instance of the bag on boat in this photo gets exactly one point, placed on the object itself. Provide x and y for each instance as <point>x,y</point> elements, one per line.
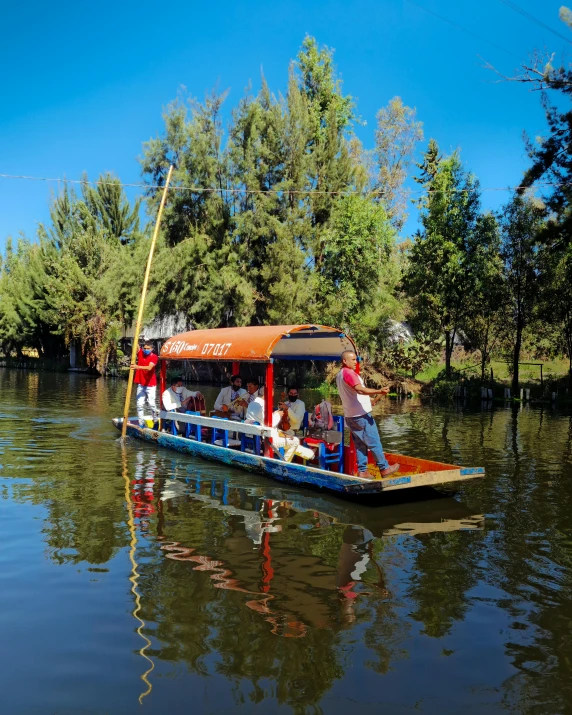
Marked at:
<point>321,423</point>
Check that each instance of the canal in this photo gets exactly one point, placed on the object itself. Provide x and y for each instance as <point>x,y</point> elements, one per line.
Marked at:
<point>137,580</point>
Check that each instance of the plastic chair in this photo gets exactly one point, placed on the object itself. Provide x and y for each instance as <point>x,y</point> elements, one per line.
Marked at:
<point>250,442</point>
<point>193,431</point>
<point>220,436</point>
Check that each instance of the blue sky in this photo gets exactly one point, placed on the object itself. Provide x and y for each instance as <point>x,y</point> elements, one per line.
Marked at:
<point>84,84</point>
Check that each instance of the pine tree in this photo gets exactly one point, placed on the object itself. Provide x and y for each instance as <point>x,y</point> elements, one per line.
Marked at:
<point>439,277</point>
<point>521,223</point>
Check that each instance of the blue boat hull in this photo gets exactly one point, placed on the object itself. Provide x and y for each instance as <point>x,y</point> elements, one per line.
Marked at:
<point>289,472</point>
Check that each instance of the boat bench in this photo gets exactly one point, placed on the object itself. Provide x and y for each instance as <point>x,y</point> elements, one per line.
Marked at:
<point>250,436</point>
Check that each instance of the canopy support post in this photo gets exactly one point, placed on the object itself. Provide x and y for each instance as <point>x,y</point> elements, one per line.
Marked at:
<point>268,402</point>
<point>235,368</point>
<point>350,458</point>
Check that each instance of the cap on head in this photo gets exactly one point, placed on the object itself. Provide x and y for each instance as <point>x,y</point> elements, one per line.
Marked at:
<point>176,379</point>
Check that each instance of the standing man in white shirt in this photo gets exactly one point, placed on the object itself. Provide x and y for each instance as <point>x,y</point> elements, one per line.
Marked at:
<point>357,407</point>
<point>228,395</point>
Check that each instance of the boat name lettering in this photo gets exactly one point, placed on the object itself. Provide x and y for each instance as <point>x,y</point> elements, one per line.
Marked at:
<point>179,345</point>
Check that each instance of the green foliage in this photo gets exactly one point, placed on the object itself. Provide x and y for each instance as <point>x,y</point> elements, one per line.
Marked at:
<point>396,138</point>
<point>521,222</point>
<point>439,277</point>
<point>484,320</point>
<point>77,283</point>
<point>274,238</point>
<point>413,356</point>
<point>358,246</point>
<point>283,217</point>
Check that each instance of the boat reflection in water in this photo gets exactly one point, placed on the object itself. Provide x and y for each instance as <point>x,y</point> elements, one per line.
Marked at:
<point>296,560</point>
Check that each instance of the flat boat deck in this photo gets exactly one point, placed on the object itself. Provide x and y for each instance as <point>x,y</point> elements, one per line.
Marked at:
<point>414,472</point>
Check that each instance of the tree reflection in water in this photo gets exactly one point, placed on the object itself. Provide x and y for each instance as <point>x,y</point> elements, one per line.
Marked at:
<point>279,572</point>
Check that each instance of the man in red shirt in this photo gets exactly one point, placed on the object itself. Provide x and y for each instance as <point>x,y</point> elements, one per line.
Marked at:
<point>146,380</point>
<point>357,406</point>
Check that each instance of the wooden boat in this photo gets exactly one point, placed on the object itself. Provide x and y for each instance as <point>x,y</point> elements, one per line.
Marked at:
<point>264,345</point>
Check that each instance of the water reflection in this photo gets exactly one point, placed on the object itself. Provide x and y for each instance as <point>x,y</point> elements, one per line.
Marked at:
<point>288,567</point>
<point>123,565</point>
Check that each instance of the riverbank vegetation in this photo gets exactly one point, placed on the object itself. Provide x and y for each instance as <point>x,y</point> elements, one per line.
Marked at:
<point>284,216</point>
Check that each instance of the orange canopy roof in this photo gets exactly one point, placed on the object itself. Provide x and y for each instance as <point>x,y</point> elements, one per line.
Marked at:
<point>259,343</point>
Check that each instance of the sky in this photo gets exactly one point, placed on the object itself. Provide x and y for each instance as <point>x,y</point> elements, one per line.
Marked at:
<point>84,84</point>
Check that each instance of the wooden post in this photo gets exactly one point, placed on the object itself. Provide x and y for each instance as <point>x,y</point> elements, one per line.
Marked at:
<point>269,402</point>
<point>142,305</point>
<point>541,378</point>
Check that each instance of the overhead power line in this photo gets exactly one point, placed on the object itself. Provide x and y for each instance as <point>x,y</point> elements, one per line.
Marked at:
<point>305,192</point>
<point>463,29</point>
<point>526,14</point>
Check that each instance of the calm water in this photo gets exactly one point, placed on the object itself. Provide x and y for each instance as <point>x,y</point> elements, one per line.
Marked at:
<point>141,581</point>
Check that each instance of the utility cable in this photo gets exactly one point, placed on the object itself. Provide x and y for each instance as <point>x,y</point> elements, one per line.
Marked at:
<point>534,19</point>
<point>278,192</point>
<point>463,29</point>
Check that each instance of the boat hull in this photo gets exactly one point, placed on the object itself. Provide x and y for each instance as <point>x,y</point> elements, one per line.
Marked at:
<point>299,474</point>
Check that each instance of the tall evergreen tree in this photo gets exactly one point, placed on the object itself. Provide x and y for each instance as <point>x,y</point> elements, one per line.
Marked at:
<point>521,222</point>
<point>484,322</point>
<point>439,277</point>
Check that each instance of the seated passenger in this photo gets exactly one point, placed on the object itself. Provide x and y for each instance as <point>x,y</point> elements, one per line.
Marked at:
<point>290,444</point>
<point>228,395</point>
<point>296,410</point>
<point>176,398</point>
<point>254,402</point>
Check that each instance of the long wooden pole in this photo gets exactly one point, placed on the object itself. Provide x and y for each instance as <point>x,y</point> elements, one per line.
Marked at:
<point>142,306</point>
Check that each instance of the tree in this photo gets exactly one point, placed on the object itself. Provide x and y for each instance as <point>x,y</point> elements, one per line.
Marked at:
<point>359,245</point>
<point>331,167</point>
<point>554,312</point>
<point>484,320</point>
<point>521,221</point>
<point>396,138</point>
<point>551,155</point>
<point>23,318</point>
<point>439,277</point>
<point>193,143</point>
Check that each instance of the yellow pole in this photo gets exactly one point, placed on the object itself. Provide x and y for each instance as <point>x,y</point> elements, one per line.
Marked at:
<point>142,306</point>
<point>134,578</point>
